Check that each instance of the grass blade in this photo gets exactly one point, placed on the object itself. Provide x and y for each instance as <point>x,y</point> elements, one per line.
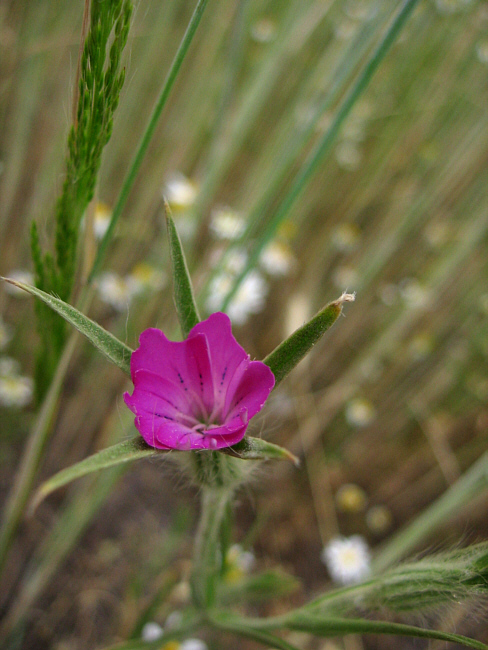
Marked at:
<point>148,134</point>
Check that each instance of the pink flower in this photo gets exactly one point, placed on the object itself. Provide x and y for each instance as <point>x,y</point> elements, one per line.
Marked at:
<point>199,393</point>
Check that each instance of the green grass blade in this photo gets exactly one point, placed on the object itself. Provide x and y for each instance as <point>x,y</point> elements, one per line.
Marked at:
<point>286,356</point>
<point>186,307</point>
<point>148,134</point>
<point>123,452</point>
<point>230,623</point>
<point>325,143</point>
<point>116,351</point>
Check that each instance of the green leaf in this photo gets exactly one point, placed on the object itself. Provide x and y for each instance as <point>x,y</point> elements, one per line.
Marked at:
<point>328,627</point>
<point>288,354</point>
<point>123,452</point>
<point>116,351</point>
<point>182,288</point>
<point>230,623</point>
<point>257,449</point>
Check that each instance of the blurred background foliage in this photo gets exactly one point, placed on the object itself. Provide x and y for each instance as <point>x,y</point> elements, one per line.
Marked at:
<point>389,410</point>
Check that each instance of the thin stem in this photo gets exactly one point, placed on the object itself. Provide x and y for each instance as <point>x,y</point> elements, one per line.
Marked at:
<point>325,144</point>
<point>206,557</point>
<point>148,134</point>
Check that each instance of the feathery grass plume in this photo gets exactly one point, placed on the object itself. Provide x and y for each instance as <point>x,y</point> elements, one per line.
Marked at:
<point>100,82</point>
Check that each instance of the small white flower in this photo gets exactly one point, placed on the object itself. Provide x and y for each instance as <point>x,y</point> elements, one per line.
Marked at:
<point>194,644</point>
<point>179,191</point>
<point>151,632</point>
<point>348,559</point>
<point>414,293</point>
<point>277,258</point>
<point>101,219</point>
<point>116,291</point>
<point>249,299</point>
<point>241,559</point>
<point>5,334</point>
<point>15,390</point>
<point>263,30</point>
<point>19,275</point>
<point>360,412</point>
<point>227,224</point>
<point>173,620</point>
<point>348,155</point>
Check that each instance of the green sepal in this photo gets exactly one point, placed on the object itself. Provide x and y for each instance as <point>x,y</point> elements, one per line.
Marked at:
<point>186,306</point>
<point>123,452</point>
<point>116,351</point>
<point>257,449</point>
<point>292,350</point>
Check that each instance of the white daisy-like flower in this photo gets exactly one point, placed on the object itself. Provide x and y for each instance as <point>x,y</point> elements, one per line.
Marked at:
<point>348,155</point>
<point>19,275</point>
<point>360,412</point>
<point>101,219</point>
<point>173,620</point>
<point>263,30</point>
<point>277,258</point>
<point>116,291</point>
<point>414,293</point>
<point>5,334</point>
<point>226,223</point>
<point>151,632</point>
<point>348,559</point>
<point>179,191</point>
<point>193,644</point>
<point>249,299</point>
<point>241,559</point>
<point>15,390</point>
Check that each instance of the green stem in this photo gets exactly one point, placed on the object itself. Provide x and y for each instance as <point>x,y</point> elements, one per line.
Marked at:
<point>148,134</point>
<point>206,556</point>
<point>325,144</point>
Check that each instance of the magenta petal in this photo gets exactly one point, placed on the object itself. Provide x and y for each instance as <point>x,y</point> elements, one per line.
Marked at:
<point>225,352</point>
<point>199,393</point>
<point>253,390</point>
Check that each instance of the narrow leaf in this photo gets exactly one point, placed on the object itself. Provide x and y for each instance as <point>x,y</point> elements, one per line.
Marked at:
<point>123,452</point>
<point>182,288</point>
<point>271,584</point>
<point>116,351</point>
<point>231,623</point>
<point>328,627</point>
<point>287,355</point>
<point>257,449</point>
